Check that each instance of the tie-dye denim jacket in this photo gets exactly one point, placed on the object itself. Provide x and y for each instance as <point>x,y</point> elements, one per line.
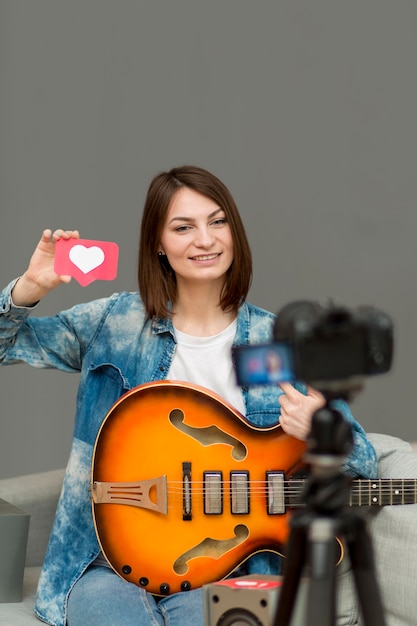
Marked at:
<point>114,347</point>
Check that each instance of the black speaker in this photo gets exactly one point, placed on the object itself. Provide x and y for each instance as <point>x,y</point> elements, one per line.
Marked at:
<point>248,601</point>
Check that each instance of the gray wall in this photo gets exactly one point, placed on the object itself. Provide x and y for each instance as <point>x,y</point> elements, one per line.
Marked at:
<point>305,109</point>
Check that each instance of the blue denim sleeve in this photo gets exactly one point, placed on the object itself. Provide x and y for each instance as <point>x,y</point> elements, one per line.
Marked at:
<point>57,342</point>
<point>44,342</point>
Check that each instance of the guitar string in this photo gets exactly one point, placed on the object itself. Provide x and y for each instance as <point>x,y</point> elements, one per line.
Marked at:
<point>291,491</point>
<point>294,487</point>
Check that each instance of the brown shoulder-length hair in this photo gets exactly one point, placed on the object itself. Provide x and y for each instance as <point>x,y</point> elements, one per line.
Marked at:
<point>156,278</point>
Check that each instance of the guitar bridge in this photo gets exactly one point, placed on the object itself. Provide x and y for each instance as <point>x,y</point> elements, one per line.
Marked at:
<point>146,494</point>
<point>186,491</point>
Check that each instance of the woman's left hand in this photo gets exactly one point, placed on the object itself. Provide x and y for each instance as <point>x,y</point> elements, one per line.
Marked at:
<point>298,409</point>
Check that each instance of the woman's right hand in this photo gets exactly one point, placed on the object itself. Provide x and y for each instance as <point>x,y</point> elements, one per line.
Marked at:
<point>40,277</point>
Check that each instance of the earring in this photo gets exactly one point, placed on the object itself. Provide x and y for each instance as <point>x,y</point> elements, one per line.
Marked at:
<point>160,253</point>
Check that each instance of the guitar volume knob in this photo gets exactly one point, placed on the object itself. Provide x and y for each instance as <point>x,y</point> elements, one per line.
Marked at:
<point>164,589</point>
<point>186,585</point>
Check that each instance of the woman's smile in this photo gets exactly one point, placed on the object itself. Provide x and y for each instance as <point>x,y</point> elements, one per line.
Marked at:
<point>206,257</point>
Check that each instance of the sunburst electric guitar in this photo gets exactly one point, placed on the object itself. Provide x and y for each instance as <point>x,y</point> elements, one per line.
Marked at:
<point>184,489</point>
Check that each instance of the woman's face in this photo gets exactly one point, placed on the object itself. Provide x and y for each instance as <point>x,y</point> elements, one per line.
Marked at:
<point>196,238</point>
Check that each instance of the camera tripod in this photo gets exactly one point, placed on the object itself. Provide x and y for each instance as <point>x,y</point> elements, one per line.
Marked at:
<point>314,532</point>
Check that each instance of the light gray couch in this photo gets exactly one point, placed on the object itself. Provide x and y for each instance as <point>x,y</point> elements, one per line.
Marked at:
<point>393,531</point>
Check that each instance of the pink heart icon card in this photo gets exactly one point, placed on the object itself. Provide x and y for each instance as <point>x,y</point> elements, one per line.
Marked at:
<point>86,260</point>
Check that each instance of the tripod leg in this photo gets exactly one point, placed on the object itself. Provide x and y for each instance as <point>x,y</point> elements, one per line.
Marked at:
<point>321,602</point>
<point>362,560</point>
<point>292,572</point>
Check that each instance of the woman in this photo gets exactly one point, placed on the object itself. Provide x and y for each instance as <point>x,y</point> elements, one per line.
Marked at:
<point>194,275</point>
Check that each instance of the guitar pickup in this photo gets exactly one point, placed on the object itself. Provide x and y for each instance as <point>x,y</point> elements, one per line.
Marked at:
<point>239,493</point>
<point>213,493</point>
<point>275,493</point>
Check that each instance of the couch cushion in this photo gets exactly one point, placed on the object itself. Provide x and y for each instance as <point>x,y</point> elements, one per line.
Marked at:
<point>394,535</point>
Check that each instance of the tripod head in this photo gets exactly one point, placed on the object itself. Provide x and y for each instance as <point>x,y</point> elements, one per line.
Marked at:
<point>330,438</point>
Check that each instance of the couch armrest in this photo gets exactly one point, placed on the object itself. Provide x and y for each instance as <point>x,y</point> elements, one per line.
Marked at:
<point>36,494</point>
<point>394,534</point>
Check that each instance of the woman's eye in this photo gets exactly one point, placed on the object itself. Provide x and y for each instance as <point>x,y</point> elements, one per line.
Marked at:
<point>220,221</point>
<point>181,229</point>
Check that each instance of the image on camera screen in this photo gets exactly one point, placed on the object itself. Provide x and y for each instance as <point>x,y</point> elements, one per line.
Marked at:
<point>263,364</point>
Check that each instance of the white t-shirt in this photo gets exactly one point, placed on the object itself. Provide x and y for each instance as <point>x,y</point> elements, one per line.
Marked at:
<point>207,361</point>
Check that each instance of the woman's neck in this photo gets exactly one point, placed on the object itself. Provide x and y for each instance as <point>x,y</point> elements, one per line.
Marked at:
<point>198,313</point>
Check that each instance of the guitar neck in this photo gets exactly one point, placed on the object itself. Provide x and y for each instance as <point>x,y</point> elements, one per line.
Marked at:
<point>380,492</point>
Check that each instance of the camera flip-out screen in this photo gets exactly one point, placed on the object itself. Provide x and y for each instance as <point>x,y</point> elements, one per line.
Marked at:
<point>263,364</point>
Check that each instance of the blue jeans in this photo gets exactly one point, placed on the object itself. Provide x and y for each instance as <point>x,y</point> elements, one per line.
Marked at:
<point>102,598</point>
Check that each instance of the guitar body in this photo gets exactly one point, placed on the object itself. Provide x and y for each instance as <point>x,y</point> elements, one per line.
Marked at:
<point>179,488</point>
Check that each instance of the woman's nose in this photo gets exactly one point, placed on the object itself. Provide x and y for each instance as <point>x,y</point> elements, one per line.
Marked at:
<point>204,238</point>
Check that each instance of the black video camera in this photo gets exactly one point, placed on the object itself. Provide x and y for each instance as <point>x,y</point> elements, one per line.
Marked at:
<point>329,347</point>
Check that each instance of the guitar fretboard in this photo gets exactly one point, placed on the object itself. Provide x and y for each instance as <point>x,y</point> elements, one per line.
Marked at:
<point>383,492</point>
<point>363,492</point>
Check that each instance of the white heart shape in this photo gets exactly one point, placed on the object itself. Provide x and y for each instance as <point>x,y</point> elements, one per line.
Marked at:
<point>86,259</point>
